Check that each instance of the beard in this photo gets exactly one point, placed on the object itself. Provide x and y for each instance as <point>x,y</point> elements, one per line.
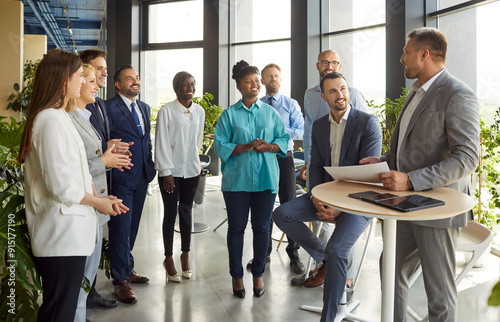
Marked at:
<point>272,88</point>
<point>130,93</point>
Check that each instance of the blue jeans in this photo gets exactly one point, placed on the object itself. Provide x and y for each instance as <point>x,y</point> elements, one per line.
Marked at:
<point>290,218</point>
<point>238,205</point>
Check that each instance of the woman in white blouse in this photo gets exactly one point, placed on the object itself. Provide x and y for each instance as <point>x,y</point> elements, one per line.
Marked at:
<point>179,136</point>
<point>59,196</point>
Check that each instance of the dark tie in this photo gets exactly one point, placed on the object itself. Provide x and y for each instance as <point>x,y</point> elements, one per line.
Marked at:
<point>101,114</point>
<point>136,118</point>
<point>271,100</point>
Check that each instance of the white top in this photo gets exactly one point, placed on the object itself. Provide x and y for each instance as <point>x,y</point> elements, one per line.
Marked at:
<point>57,177</point>
<point>178,140</point>
<point>337,135</point>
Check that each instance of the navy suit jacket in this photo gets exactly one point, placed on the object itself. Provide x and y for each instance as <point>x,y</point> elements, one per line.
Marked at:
<point>96,121</point>
<point>124,127</point>
<point>362,138</point>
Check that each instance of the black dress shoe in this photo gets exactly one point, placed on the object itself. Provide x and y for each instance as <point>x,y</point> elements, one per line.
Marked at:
<point>298,280</point>
<point>258,292</point>
<point>97,301</point>
<point>297,267</point>
<point>239,293</point>
<point>249,264</point>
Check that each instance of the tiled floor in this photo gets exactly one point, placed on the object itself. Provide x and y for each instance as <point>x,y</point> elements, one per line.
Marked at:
<point>208,296</point>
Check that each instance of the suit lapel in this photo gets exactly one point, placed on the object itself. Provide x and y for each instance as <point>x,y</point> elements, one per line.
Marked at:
<point>105,115</point>
<point>95,119</point>
<point>352,121</point>
<point>145,116</point>
<point>86,127</point>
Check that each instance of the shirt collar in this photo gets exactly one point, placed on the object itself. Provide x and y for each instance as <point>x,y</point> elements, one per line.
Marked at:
<point>181,107</point>
<point>276,97</point>
<point>425,87</point>
<point>126,100</point>
<point>258,103</point>
<point>344,117</point>
<point>85,113</point>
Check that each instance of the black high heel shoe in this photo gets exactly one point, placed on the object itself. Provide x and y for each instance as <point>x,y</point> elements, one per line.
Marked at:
<point>258,291</point>
<point>239,293</point>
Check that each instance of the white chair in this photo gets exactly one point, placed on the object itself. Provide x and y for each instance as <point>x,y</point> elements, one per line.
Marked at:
<point>474,238</point>
<point>345,309</point>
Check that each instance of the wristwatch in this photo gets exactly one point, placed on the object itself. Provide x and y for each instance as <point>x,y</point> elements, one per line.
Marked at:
<point>409,183</point>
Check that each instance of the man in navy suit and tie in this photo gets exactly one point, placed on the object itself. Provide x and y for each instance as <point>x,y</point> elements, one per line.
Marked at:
<point>341,138</point>
<point>130,121</point>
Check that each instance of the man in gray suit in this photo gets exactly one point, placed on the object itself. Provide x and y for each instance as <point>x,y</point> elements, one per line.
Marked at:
<point>435,143</point>
<point>340,138</point>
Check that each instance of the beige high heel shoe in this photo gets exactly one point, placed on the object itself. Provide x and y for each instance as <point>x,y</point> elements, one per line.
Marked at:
<point>174,278</point>
<point>186,273</point>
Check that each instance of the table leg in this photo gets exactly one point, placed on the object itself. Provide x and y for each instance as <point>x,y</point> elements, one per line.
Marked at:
<point>388,270</point>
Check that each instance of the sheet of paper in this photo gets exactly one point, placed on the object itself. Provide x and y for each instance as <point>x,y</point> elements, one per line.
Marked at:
<point>364,172</point>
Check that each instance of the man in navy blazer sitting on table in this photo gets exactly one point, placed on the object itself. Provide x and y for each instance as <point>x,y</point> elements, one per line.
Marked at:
<point>130,121</point>
<point>352,135</point>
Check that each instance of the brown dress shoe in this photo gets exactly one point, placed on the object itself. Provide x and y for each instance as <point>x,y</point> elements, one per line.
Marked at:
<point>124,293</point>
<point>136,278</point>
<point>316,279</point>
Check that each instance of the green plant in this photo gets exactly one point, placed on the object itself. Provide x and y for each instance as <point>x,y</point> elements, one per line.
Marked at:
<point>488,174</point>
<point>20,281</point>
<point>19,100</point>
<point>494,299</point>
<point>388,114</point>
<point>212,113</point>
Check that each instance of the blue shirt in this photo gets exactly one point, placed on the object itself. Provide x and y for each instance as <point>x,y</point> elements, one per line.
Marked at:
<point>315,107</point>
<point>290,113</point>
<point>249,171</point>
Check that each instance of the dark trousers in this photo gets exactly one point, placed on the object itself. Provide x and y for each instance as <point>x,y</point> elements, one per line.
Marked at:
<point>238,205</point>
<point>123,229</point>
<point>184,192</point>
<point>286,193</point>
<point>61,281</point>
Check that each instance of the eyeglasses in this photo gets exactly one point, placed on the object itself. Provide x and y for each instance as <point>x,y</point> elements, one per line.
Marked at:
<point>326,63</point>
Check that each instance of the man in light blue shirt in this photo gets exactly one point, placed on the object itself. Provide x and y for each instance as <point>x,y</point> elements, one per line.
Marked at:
<point>315,107</point>
<point>289,111</point>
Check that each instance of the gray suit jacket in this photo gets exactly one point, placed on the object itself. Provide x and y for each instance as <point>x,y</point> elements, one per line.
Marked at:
<point>362,138</point>
<point>93,148</point>
<point>441,145</point>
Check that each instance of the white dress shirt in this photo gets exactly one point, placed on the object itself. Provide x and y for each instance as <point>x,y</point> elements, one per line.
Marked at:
<point>137,110</point>
<point>336,135</point>
<point>178,140</point>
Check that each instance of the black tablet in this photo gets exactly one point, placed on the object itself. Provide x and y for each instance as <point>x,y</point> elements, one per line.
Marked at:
<point>409,203</point>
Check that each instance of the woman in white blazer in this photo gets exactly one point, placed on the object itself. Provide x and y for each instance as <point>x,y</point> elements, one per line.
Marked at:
<point>59,196</point>
<point>98,162</point>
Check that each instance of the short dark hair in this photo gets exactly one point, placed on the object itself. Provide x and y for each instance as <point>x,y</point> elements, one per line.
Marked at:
<point>90,54</point>
<point>242,69</point>
<point>178,79</point>
<point>330,76</point>
<point>118,74</point>
<point>431,39</point>
<point>272,65</point>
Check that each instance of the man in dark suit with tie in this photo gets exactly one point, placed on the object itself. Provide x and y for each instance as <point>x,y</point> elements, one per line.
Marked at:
<point>130,121</point>
<point>341,138</point>
<point>100,120</point>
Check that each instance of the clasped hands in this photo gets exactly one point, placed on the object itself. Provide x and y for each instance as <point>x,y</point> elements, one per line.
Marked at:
<point>118,155</point>
<point>111,205</point>
<point>325,213</point>
<point>259,146</point>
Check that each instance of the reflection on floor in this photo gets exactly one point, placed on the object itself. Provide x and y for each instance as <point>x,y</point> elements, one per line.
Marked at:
<point>208,296</point>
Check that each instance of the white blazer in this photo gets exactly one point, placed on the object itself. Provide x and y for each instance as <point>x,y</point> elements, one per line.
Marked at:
<point>57,177</point>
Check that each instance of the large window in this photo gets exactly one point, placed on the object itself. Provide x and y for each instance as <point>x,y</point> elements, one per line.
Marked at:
<point>357,34</point>
<point>262,36</point>
<point>472,53</point>
<point>174,43</point>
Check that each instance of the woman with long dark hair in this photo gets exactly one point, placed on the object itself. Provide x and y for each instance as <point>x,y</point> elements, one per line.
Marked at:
<point>59,196</point>
<point>248,135</point>
<point>179,136</point>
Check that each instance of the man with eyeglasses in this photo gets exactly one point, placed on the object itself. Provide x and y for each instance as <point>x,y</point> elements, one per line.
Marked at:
<point>315,107</point>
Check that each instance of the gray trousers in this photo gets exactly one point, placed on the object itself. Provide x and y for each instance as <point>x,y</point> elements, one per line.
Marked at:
<point>434,249</point>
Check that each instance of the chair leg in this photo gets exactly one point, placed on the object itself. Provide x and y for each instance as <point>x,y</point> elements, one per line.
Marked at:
<point>281,240</point>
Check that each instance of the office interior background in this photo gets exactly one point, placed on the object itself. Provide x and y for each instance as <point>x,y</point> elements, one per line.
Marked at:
<point>207,37</point>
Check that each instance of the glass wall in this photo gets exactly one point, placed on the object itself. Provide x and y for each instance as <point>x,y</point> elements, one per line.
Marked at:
<point>354,33</point>
<point>262,36</point>
<point>170,25</point>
